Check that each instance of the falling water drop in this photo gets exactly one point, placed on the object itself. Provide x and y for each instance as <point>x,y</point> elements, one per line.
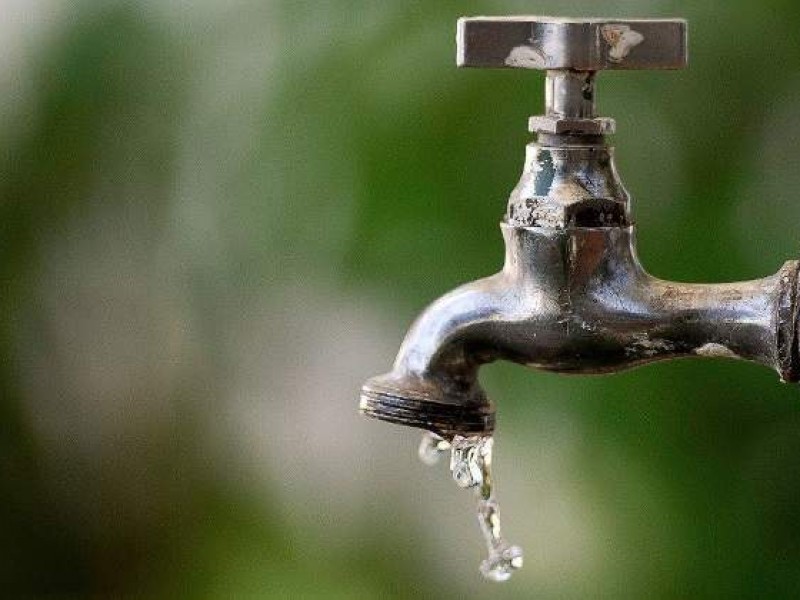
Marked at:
<point>431,448</point>
<point>471,467</point>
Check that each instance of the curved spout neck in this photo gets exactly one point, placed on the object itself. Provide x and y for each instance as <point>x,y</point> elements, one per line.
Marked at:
<point>575,300</point>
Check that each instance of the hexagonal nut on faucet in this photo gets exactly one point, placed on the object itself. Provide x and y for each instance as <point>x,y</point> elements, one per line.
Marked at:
<point>547,43</point>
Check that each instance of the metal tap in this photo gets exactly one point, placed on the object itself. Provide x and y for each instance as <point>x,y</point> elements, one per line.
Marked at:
<point>572,296</point>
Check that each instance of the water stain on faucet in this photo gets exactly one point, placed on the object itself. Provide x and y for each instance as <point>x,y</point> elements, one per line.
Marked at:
<point>622,40</point>
<point>526,57</point>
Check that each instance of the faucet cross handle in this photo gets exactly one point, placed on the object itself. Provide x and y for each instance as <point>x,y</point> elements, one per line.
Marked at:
<point>571,51</point>
<point>578,44</point>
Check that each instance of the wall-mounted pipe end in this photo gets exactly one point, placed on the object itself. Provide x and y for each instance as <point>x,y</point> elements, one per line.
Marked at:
<point>787,320</point>
<point>414,402</point>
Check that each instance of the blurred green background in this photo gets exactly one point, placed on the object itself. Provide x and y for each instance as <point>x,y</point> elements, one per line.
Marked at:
<point>218,218</point>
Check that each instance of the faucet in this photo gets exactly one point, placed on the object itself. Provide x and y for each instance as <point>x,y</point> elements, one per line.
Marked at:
<point>572,296</point>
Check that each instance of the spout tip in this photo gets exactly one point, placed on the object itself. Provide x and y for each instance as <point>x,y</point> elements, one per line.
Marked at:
<point>417,404</point>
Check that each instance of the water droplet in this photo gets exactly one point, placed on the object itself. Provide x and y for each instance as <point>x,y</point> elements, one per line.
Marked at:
<point>471,467</point>
<point>432,447</point>
<point>465,461</point>
<point>500,566</point>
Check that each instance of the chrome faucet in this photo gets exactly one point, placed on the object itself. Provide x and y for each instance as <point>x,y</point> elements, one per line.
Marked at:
<point>572,296</point>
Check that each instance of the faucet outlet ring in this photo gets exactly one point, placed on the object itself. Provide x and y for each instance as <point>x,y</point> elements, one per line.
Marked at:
<point>402,406</point>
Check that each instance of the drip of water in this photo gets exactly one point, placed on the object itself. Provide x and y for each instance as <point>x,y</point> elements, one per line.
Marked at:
<point>471,467</point>
<point>431,448</point>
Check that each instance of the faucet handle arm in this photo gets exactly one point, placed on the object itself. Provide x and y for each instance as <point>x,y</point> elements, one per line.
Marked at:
<point>548,43</point>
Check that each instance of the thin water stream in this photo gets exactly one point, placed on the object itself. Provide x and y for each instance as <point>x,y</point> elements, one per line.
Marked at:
<point>471,467</point>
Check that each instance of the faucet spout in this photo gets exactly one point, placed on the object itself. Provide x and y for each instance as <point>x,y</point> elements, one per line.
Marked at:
<point>575,300</point>
<point>434,383</point>
<point>572,297</point>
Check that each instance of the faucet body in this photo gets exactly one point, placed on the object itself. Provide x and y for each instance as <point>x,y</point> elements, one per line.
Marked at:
<point>572,297</point>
